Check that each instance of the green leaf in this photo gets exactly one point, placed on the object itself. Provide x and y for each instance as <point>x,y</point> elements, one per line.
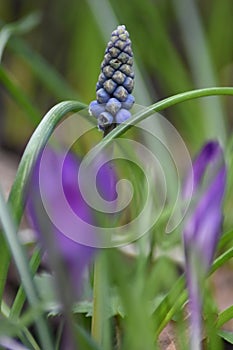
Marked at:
<point>225,316</point>
<point>225,239</point>
<point>19,256</point>
<point>19,96</point>
<point>47,292</point>
<point>22,26</point>
<point>177,296</point>
<point>161,105</point>
<point>85,341</point>
<point>50,78</point>
<point>228,336</point>
<point>20,296</point>
<point>34,147</point>
<point>220,260</point>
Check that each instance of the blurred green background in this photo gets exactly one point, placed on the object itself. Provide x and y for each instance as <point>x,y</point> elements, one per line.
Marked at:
<point>54,49</point>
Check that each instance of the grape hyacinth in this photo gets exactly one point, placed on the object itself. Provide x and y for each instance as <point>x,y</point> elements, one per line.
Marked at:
<point>115,83</point>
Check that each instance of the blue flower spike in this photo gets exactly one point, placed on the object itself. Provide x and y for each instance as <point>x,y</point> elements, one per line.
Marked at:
<point>115,83</point>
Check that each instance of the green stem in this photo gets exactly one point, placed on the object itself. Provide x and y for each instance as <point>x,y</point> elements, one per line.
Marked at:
<point>99,327</point>
<point>20,296</point>
<point>97,316</point>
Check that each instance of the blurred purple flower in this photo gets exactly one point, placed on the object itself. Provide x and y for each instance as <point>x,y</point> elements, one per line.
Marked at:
<point>58,166</point>
<point>11,344</point>
<point>202,228</point>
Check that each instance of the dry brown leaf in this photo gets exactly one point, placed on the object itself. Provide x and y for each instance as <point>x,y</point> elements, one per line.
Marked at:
<point>167,338</point>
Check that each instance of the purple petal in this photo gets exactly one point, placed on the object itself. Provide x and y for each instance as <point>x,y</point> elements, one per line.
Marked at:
<point>202,228</point>
<point>11,344</point>
<point>106,181</point>
<point>59,213</point>
<point>211,153</point>
<point>74,255</point>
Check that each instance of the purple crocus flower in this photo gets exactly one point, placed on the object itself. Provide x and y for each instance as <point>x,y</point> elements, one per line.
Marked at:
<point>11,344</point>
<point>202,229</point>
<point>47,195</point>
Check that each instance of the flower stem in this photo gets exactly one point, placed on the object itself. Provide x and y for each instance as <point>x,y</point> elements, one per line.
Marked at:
<point>98,315</point>
<point>195,316</point>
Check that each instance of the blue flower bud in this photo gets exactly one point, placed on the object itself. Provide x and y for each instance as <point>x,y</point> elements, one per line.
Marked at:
<point>96,108</point>
<point>105,119</point>
<point>128,84</point>
<point>122,116</point>
<point>110,87</point>
<point>119,77</point>
<point>128,103</point>
<point>121,93</point>
<point>113,106</point>
<point>102,96</point>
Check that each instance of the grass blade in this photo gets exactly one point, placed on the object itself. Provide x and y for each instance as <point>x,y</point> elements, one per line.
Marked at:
<point>22,26</point>
<point>43,71</point>
<point>24,272</point>
<point>20,296</point>
<point>202,69</point>
<point>19,96</point>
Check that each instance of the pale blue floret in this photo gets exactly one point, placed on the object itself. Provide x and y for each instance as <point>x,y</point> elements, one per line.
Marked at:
<point>102,96</point>
<point>122,116</point>
<point>128,104</point>
<point>95,108</point>
<point>105,119</point>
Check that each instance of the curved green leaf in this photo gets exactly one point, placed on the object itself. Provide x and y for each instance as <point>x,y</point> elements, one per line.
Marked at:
<point>224,316</point>
<point>35,145</point>
<point>161,105</point>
